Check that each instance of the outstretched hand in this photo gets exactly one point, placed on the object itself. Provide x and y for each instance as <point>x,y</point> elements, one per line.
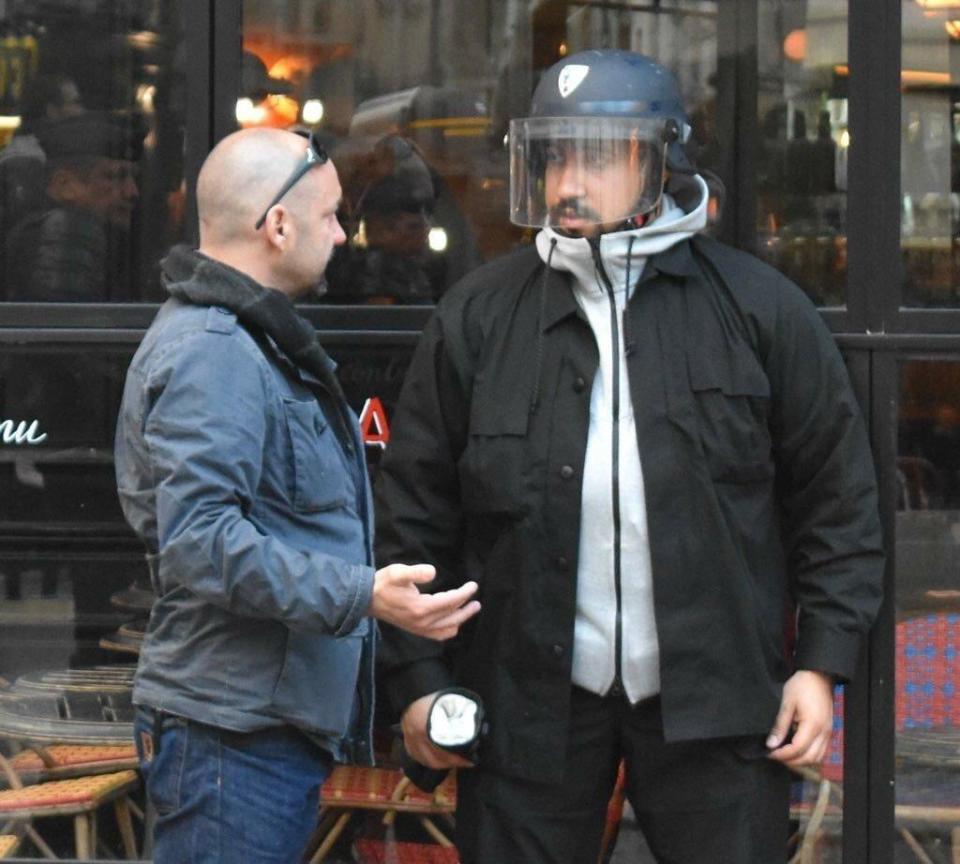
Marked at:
<point>397,600</point>
<point>807,708</point>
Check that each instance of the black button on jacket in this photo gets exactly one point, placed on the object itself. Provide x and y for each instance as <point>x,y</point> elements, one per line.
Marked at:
<point>760,493</point>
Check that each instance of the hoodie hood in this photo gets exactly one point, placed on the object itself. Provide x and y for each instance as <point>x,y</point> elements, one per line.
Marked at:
<point>573,254</point>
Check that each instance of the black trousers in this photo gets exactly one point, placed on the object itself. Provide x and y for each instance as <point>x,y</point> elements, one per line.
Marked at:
<point>720,801</point>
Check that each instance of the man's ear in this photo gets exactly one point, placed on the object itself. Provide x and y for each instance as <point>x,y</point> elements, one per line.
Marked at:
<point>65,186</point>
<point>277,226</point>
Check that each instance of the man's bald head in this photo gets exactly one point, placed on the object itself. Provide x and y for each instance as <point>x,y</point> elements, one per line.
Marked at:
<point>238,179</point>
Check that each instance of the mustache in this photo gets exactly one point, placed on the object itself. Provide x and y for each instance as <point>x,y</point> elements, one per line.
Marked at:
<point>572,208</point>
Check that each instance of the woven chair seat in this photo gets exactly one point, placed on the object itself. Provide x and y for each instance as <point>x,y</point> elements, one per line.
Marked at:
<point>377,852</point>
<point>86,759</point>
<point>8,844</point>
<point>373,788</point>
<point>65,796</point>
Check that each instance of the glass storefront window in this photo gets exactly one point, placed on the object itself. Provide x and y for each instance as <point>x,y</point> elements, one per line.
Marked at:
<point>930,154</point>
<point>91,142</point>
<point>928,604</point>
<point>418,136</point>
<point>804,141</point>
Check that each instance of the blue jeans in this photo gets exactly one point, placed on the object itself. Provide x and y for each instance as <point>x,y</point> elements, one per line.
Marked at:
<point>223,797</point>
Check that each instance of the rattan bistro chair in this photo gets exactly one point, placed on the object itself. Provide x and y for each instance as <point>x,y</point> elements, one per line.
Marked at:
<point>350,789</point>
<point>40,763</point>
<point>81,797</point>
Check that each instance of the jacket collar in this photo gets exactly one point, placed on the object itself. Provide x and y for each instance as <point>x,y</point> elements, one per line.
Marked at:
<point>675,261</point>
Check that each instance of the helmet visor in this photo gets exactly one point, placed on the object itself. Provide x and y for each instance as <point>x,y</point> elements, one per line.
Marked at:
<point>574,173</point>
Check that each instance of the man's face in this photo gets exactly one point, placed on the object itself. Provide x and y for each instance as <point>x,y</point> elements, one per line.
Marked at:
<point>107,188</point>
<point>70,104</point>
<point>318,229</point>
<point>587,192</point>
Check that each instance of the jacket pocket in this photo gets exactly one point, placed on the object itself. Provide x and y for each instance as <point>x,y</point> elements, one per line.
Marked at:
<point>732,405</point>
<point>493,463</point>
<point>319,476</point>
<point>318,683</point>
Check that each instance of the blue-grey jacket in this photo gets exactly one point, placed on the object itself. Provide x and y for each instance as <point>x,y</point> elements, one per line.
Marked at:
<point>260,527</point>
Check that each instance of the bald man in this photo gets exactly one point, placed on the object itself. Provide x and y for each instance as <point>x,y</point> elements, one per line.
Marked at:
<point>241,467</point>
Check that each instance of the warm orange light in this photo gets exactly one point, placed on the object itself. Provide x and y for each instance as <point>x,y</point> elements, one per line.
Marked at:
<point>939,4</point>
<point>292,67</point>
<point>953,28</point>
<point>908,76</point>
<point>795,45</point>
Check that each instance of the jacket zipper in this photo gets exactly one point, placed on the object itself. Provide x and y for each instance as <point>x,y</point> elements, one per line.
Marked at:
<point>617,686</point>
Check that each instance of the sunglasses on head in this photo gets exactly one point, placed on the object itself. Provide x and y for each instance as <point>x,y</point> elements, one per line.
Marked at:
<point>315,155</point>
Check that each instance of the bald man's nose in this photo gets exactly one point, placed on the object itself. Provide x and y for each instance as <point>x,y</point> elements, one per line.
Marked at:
<point>339,235</point>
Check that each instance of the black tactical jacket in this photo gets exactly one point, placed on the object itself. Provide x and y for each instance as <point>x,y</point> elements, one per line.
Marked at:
<point>760,493</point>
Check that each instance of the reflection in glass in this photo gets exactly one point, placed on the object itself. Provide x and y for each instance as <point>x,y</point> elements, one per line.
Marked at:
<point>417,223</point>
<point>928,605</point>
<point>802,158</point>
<point>930,155</point>
<point>90,151</point>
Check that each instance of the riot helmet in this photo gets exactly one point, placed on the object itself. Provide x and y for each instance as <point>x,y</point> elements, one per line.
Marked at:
<point>603,128</point>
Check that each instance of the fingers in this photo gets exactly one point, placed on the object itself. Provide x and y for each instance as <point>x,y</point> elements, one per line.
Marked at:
<point>449,625</point>
<point>397,600</point>
<point>808,747</point>
<point>417,574</point>
<point>781,726</point>
<point>428,754</point>
<point>807,708</point>
<point>440,615</point>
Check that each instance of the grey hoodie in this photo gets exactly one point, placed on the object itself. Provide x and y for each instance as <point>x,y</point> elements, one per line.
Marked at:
<point>594,652</point>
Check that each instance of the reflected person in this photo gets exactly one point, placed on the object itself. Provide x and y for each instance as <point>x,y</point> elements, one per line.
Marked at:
<point>389,198</point>
<point>76,246</point>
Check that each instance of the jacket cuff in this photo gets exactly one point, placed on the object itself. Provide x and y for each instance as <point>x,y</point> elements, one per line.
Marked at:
<point>409,683</point>
<point>360,603</point>
<point>834,652</point>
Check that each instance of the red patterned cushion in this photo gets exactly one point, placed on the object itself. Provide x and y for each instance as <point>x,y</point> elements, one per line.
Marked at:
<point>350,785</point>
<point>376,852</point>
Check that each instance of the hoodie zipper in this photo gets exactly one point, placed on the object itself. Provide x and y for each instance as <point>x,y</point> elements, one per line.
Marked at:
<point>617,686</point>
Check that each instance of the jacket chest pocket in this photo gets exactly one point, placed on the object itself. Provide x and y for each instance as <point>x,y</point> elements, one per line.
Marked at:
<point>492,466</point>
<point>731,402</point>
<point>319,478</point>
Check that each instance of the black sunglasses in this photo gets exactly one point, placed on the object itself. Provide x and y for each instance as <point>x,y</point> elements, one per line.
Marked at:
<point>315,155</point>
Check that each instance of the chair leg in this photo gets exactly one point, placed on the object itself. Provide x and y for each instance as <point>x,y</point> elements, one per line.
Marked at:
<point>125,824</point>
<point>955,845</point>
<point>331,837</point>
<point>149,825</point>
<point>83,830</point>
<point>435,832</point>
<point>39,842</point>
<point>915,846</point>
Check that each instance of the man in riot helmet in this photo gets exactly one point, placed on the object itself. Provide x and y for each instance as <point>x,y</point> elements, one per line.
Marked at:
<point>644,446</point>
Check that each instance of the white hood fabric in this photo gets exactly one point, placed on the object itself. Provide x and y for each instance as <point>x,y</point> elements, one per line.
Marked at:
<point>594,662</point>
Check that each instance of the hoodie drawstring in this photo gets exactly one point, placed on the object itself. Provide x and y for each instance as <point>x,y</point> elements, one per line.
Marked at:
<point>538,367</point>
<point>627,330</point>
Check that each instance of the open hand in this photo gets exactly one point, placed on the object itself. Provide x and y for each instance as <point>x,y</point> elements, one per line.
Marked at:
<point>398,601</point>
